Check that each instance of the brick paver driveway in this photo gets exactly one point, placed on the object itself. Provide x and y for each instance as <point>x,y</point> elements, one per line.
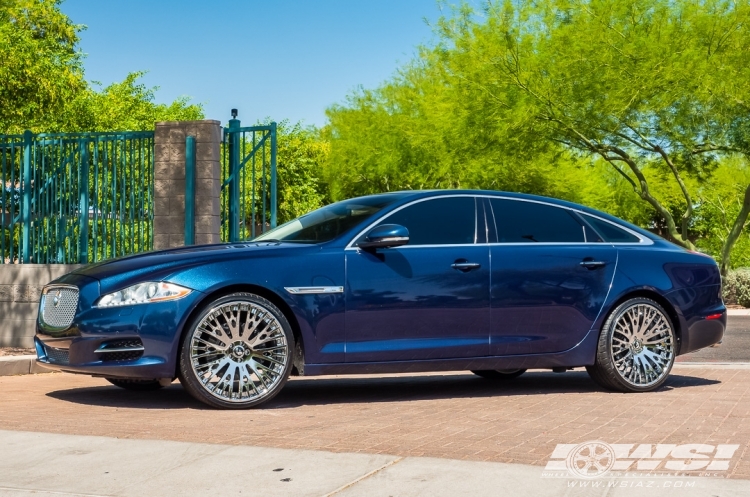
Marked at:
<point>455,416</point>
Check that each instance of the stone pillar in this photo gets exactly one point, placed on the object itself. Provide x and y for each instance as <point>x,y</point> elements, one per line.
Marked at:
<point>169,182</point>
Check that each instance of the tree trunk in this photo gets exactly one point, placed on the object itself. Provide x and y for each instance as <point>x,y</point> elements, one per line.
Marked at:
<point>735,233</point>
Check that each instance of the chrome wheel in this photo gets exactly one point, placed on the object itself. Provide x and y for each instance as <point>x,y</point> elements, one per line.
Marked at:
<point>239,352</point>
<point>642,345</point>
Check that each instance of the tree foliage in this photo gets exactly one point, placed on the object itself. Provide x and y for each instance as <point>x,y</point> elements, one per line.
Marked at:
<point>301,155</point>
<point>636,107</point>
<point>41,68</point>
<point>42,83</point>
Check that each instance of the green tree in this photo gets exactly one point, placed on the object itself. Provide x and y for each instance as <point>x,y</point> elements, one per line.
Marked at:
<point>41,68</point>
<point>631,106</point>
<point>637,83</point>
<point>301,153</point>
<point>127,105</point>
<point>42,84</point>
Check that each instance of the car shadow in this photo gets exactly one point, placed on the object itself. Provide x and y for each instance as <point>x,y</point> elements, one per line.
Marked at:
<point>308,391</point>
<point>172,397</point>
<point>370,389</point>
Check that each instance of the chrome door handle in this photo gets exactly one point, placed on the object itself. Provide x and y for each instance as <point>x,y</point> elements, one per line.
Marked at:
<point>465,266</point>
<point>593,264</point>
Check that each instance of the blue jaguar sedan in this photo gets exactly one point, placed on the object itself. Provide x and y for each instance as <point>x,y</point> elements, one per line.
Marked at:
<point>491,282</point>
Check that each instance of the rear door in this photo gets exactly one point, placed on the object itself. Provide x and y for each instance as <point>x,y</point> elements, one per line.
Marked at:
<point>550,277</point>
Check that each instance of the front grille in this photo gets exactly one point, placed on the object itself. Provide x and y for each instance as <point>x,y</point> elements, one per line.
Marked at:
<point>57,356</point>
<point>121,350</point>
<point>58,306</point>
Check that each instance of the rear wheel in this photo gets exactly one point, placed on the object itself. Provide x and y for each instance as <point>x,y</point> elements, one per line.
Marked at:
<point>136,385</point>
<point>237,353</point>
<point>636,347</point>
<point>499,374</point>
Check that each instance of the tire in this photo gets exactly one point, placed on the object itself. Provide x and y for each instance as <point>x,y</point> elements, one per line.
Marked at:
<point>136,385</point>
<point>499,374</point>
<point>636,348</point>
<point>246,340</point>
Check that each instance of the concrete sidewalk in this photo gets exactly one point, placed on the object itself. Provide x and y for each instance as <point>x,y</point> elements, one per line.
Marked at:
<point>11,365</point>
<point>52,464</point>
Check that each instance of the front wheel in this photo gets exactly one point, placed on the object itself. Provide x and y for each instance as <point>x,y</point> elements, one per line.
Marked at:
<point>237,352</point>
<point>499,374</point>
<point>636,347</point>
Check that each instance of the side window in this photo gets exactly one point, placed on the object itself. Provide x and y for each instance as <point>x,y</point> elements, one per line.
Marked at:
<point>440,221</point>
<point>529,222</point>
<point>609,232</point>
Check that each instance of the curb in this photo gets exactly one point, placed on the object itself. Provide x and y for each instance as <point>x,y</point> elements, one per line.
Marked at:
<point>20,364</point>
<point>738,312</point>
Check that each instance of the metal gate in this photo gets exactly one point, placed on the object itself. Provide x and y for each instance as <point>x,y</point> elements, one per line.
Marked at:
<point>248,181</point>
<point>75,197</point>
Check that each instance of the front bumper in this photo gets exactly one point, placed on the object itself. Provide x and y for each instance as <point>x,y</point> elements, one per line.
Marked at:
<point>106,342</point>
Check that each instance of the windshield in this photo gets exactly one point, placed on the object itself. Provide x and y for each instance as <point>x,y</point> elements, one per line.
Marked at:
<point>327,223</point>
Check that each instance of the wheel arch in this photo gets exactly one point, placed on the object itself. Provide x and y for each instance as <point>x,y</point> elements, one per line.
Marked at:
<point>271,296</point>
<point>659,299</point>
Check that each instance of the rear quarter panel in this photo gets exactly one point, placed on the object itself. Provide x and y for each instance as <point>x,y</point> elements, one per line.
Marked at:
<point>690,282</point>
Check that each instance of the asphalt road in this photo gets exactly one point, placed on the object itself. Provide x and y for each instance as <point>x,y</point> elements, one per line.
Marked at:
<point>734,348</point>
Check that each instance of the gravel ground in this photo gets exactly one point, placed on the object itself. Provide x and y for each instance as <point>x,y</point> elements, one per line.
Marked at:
<point>5,351</point>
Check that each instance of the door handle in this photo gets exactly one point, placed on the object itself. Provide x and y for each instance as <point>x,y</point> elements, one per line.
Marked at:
<point>592,264</point>
<point>465,266</point>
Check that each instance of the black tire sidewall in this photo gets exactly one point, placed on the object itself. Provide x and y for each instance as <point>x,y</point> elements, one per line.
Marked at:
<point>187,375</point>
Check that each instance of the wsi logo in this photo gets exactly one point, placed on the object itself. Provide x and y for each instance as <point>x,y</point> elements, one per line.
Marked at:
<point>595,459</point>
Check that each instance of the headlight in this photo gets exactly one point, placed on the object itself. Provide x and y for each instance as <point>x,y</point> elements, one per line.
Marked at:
<point>143,293</point>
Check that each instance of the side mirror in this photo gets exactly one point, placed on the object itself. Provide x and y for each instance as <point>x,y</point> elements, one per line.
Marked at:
<point>385,235</point>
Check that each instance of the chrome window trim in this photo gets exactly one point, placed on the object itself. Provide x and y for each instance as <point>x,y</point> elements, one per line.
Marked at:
<point>312,290</point>
<point>642,240</point>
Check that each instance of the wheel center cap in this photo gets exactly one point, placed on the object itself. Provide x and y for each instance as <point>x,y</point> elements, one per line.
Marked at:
<point>637,345</point>
<point>238,351</point>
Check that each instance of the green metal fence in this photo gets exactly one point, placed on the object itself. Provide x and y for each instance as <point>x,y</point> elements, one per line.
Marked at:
<point>248,181</point>
<point>75,197</point>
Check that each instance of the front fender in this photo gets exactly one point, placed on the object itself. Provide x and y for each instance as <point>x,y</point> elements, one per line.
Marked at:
<point>320,317</point>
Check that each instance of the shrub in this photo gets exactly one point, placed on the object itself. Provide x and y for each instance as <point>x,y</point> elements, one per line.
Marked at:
<point>736,287</point>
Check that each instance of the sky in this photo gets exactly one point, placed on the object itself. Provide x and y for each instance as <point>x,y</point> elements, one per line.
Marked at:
<point>283,59</point>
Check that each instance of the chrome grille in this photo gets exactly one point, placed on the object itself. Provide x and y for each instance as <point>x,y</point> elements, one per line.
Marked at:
<point>58,306</point>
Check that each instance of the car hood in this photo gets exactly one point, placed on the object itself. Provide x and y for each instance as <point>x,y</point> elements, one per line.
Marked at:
<point>115,274</point>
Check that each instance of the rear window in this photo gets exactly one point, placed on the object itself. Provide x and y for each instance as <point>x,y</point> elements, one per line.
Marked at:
<point>609,232</point>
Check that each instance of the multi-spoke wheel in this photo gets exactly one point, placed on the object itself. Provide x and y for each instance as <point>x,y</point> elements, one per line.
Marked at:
<point>237,353</point>
<point>636,348</point>
<point>499,374</point>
